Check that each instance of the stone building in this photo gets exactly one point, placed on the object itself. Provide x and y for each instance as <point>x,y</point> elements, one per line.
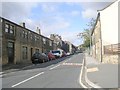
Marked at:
<point>71,48</point>
<point>96,40</point>
<point>64,45</point>
<point>57,40</point>
<point>19,43</point>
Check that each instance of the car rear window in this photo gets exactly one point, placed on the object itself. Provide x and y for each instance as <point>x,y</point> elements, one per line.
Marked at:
<point>56,52</point>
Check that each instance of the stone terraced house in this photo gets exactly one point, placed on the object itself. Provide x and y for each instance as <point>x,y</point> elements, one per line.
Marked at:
<point>19,43</point>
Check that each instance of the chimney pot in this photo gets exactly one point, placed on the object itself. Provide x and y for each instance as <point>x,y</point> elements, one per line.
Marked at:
<point>23,24</point>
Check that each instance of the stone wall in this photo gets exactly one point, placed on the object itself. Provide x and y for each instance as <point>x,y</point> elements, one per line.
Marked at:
<point>112,59</point>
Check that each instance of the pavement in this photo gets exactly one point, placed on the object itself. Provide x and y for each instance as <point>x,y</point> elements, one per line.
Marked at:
<point>100,75</point>
<point>14,67</point>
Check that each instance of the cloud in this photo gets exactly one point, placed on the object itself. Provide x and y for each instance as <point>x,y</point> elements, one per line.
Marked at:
<point>17,11</point>
<point>59,25</point>
<point>20,12</point>
<point>48,7</point>
<point>89,13</point>
<point>71,36</point>
<point>75,13</point>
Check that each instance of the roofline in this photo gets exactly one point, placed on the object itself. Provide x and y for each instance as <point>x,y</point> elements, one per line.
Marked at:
<point>98,16</point>
<point>24,27</point>
<point>107,6</point>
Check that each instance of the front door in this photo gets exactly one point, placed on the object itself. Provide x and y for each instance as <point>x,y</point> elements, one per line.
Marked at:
<point>31,52</point>
<point>10,52</point>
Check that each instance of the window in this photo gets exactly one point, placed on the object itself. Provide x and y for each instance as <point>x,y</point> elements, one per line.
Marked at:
<point>7,28</point>
<point>10,44</point>
<point>12,29</point>
<point>35,37</point>
<point>50,43</point>
<point>26,34</point>
<point>24,52</point>
<point>37,50</point>
<point>44,41</point>
<point>31,36</point>
<point>23,34</point>
<point>38,38</point>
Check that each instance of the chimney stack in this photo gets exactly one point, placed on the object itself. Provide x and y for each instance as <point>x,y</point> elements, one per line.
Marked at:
<point>22,24</point>
<point>38,30</point>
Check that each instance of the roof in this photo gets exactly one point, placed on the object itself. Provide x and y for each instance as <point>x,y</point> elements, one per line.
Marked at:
<point>24,27</point>
<point>109,5</point>
<point>98,16</point>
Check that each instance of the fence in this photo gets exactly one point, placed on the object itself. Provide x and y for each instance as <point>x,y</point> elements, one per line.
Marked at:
<point>112,49</point>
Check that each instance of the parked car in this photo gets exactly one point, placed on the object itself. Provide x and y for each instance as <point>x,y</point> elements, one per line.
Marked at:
<point>57,53</point>
<point>39,58</point>
<point>64,54</point>
<point>68,54</point>
<point>45,57</point>
<point>51,56</point>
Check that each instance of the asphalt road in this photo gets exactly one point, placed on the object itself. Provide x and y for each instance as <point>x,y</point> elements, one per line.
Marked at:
<point>61,73</point>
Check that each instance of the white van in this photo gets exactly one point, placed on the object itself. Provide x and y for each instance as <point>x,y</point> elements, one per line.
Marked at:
<point>57,53</point>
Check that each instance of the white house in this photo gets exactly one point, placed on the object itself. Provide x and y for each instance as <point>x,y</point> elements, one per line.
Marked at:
<point>109,24</point>
<point>105,34</point>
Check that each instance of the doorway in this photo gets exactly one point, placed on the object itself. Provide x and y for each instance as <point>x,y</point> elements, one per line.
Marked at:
<point>10,52</point>
<point>31,50</point>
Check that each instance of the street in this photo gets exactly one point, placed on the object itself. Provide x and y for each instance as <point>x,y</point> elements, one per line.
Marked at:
<point>63,44</point>
<point>60,73</point>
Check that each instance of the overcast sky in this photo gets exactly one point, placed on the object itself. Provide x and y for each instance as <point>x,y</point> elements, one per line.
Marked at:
<point>64,18</point>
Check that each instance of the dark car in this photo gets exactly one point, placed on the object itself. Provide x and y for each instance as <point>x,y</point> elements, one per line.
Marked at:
<point>51,56</point>
<point>45,57</point>
<point>39,58</point>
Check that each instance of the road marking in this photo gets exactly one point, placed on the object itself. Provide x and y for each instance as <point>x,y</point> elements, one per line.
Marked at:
<point>1,72</point>
<point>92,69</point>
<point>89,82</point>
<point>73,64</point>
<point>55,67</point>
<point>80,78</point>
<point>28,79</point>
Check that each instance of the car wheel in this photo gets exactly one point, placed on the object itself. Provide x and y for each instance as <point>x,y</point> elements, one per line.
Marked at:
<point>43,60</point>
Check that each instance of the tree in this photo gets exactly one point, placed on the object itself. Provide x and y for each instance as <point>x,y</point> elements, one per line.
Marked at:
<point>86,34</point>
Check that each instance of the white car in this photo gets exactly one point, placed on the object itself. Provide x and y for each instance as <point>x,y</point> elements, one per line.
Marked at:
<point>57,53</point>
<point>68,54</point>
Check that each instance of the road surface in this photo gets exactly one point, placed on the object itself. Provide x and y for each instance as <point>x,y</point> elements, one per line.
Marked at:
<point>61,73</point>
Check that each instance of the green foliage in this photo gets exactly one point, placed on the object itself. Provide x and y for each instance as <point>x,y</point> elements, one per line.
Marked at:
<point>86,35</point>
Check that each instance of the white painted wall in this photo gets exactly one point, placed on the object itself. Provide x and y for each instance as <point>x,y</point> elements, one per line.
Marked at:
<point>109,24</point>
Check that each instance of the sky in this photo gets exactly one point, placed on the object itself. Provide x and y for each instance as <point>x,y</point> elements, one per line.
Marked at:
<point>66,19</point>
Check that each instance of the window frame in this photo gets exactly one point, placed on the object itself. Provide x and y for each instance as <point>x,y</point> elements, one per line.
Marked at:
<point>8,28</point>
<point>24,52</point>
